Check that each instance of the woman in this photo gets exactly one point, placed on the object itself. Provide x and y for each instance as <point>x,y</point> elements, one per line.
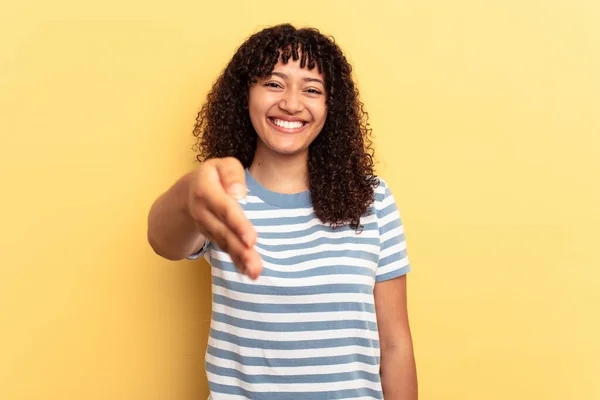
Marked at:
<point>306,245</point>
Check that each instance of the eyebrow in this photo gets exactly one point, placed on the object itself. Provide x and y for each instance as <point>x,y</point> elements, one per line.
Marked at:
<point>306,79</point>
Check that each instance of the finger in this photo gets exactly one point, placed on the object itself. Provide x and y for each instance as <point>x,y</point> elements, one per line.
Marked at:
<point>255,266</point>
<point>253,263</point>
<point>229,212</point>
<point>228,172</point>
<point>232,176</point>
<point>246,260</point>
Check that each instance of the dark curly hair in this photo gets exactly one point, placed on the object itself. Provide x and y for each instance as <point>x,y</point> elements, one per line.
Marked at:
<point>340,159</point>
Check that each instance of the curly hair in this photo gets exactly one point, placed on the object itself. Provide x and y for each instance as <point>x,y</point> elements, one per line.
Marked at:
<point>340,159</point>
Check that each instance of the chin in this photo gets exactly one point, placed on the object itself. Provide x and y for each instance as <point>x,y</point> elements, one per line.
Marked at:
<point>288,151</point>
<point>286,147</point>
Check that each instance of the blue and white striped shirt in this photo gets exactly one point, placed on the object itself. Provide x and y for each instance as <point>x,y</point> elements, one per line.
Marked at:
<point>306,328</point>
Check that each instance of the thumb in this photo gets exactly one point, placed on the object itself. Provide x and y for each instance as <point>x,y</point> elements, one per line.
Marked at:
<point>233,177</point>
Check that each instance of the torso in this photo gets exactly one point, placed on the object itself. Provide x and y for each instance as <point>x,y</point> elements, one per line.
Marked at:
<point>306,328</point>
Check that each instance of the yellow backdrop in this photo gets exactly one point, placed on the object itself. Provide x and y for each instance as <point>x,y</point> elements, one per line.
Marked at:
<point>487,123</point>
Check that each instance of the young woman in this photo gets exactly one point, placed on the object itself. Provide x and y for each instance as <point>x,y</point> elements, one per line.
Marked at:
<point>305,243</point>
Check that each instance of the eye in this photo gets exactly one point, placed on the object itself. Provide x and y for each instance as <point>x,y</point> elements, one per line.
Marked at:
<point>314,91</point>
<point>273,85</point>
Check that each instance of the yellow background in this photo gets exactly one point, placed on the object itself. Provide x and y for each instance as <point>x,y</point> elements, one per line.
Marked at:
<point>487,123</point>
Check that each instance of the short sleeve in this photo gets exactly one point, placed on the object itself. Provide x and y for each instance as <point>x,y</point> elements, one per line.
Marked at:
<point>393,258</point>
<point>201,252</point>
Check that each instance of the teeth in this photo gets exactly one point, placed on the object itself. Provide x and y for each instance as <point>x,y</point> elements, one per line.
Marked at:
<point>288,124</point>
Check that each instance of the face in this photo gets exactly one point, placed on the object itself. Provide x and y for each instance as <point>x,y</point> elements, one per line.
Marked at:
<point>288,108</point>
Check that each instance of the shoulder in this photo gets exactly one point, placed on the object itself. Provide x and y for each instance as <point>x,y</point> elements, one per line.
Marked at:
<point>382,194</point>
<point>382,185</point>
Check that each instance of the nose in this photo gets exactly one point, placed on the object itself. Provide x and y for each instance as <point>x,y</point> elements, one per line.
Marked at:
<point>291,101</point>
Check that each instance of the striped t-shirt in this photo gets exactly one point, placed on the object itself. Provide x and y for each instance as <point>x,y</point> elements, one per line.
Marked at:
<point>306,328</point>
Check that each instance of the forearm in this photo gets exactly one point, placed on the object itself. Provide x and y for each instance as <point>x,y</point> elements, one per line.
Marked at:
<point>172,232</point>
<point>398,373</point>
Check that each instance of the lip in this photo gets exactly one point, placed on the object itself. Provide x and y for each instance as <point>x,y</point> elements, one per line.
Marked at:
<point>287,130</point>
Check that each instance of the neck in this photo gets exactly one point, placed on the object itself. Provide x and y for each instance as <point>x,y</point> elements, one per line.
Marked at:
<point>280,173</point>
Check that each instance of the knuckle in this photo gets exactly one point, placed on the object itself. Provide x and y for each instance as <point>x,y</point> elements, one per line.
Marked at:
<point>210,163</point>
<point>225,213</point>
<point>232,162</point>
<point>231,170</point>
<point>242,227</point>
<point>196,191</point>
<point>197,213</point>
<point>198,196</point>
<point>237,261</point>
<point>225,246</point>
<point>225,243</point>
<point>215,235</point>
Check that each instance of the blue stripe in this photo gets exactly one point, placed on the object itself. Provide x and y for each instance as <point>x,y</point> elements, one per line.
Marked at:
<point>395,223</point>
<point>258,206</point>
<point>293,326</point>
<point>296,379</point>
<point>293,308</point>
<point>381,194</point>
<point>292,291</point>
<point>291,362</point>
<point>357,239</point>
<point>295,260</point>
<point>390,208</point>
<point>394,239</point>
<point>392,258</point>
<point>291,221</point>
<point>333,395</point>
<point>293,345</point>
<point>311,230</point>
<point>393,274</point>
<point>313,272</point>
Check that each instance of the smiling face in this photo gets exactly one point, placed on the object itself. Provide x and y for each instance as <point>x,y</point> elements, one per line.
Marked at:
<point>288,108</point>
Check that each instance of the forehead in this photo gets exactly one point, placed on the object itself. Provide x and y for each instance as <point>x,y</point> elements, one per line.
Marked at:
<point>293,70</point>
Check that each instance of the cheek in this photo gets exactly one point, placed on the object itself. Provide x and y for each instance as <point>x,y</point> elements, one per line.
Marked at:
<point>319,112</point>
<point>260,104</point>
<point>252,102</point>
<point>322,117</point>
<point>254,109</point>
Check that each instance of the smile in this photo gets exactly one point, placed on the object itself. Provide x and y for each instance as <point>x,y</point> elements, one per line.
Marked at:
<point>287,126</point>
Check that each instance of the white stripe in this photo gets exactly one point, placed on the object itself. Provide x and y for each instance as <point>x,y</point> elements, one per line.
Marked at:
<point>287,228</point>
<point>392,233</point>
<point>306,265</point>
<point>291,371</point>
<point>393,216</point>
<point>295,317</point>
<point>226,396</point>
<point>364,398</point>
<point>366,298</point>
<point>322,248</point>
<point>393,266</point>
<point>295,336</point>
<point>393,249</point>
<point>347,279</point>
<point>275,228</point>
<point>293,387</point>
<point>278,213</point>
<point>250,198</point>
<point>384,203</point>
<point>372,233</point>
<point>298,353</point>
